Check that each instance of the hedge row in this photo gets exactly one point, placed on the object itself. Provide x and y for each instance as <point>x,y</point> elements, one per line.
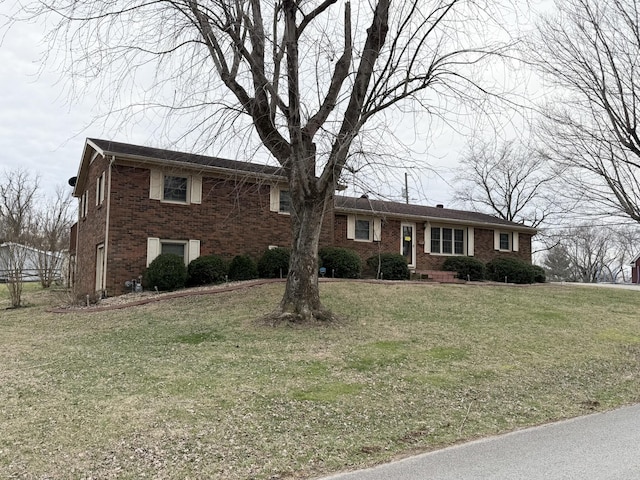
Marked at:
<point>168,272</point>
<point>511,270</point>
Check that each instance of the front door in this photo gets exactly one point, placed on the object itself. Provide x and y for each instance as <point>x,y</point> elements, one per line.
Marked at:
<point>408,243</point>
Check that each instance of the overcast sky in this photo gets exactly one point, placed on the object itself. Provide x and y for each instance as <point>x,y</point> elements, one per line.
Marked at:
<point>43,131</point>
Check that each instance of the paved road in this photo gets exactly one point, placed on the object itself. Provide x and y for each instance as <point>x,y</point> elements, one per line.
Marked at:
<point>602,446</point>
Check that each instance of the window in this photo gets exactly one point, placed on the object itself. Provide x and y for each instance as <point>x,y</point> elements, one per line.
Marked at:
<point>504,241</point>
<point>284,204</point>
<point>447,241</point>
<point>435,240</point>
<point>458,242</point>
<point>185,249</point>
<point>363,229</point>
<point>100,189</point>
<point>175,189</point>
<point>174,248</point>
<point>84,204</point>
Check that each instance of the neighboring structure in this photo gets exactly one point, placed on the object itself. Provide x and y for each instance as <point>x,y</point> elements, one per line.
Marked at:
<point>635,270</point>
<point>137,202</point>
<point>26,262</point>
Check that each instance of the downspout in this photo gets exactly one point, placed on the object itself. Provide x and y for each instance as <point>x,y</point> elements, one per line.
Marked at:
<point>106,227</point>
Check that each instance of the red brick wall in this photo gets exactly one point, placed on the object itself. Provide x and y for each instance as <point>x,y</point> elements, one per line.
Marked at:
<point>233,218</point>
<point>390,243</point>
<point>90,232</point>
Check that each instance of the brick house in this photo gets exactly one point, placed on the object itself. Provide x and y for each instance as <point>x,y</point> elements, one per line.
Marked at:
<point>137,202</point>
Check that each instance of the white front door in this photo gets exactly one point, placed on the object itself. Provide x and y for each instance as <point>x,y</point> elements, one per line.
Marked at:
<point>408,243</point>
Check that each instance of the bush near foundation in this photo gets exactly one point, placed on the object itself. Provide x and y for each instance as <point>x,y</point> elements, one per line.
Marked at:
<point>467,268</point>
<point>242,267</point>
<point>393,266</point>
<point>340,262</point>
<point>274,263</point>
<point>206,270</point>
<point>511,269</point>
<point>166,272</point>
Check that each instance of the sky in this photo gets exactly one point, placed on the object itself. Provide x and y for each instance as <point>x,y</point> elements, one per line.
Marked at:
<point>43,131</point>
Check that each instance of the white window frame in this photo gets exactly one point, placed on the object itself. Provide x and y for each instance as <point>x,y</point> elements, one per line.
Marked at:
<point>84,204</point>
<point>274,200</point>
<point>514,241</point>
<point>375,228</point>
<point>100,189</point>
<point>157,182</point>
<point>154,248</point>
<point>467,245</point>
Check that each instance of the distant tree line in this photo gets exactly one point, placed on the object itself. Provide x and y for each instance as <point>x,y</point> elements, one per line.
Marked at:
<point>33,228</point>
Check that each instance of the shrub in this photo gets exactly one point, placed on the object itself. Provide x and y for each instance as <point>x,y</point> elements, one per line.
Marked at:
<point>205,270</point>
<point>340,262</point>
<point>539,275</point>
<point>393,266</point>
<point>273,263</point>
<point>516,271</point>
<point>242,267</point>
<point>166,272</point>
<point>468,268</point>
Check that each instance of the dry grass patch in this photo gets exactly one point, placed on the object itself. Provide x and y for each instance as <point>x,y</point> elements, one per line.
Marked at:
<point>196,388</point>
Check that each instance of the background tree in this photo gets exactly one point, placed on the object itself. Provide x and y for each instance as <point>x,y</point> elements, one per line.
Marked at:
<point>593,253</point>
<point>18,190</point>
<point>52,224</point>
<point>590,49</point>
<point>508,180</point>
<point>306,76</point>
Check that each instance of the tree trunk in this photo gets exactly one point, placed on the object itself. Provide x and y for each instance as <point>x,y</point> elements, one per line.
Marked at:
<point>301,300</point>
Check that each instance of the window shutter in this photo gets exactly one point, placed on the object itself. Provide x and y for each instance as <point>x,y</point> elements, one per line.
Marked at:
<point>194,250</point>
<point>153,249</point>
<point>496,240</point>
<point>196,189</point>
<point>156,184</point>
<point>470,241</point>
<point>351,227</point>
<point>515,244</point>
<point>377,229</point>
<point>274,199</point>
<point>427,237</point>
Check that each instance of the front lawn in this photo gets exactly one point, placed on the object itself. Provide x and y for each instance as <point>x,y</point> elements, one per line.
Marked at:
<point>196,388</point>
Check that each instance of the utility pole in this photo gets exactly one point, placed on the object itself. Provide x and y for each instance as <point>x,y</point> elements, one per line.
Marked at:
<point>406,189</point>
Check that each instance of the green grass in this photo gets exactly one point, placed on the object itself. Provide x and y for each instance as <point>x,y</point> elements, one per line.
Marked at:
<point>197,388</point>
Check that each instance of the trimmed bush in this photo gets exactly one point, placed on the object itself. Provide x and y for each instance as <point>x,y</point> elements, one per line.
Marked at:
<point>166,272</point>
<point>242,267</point>
<point>539,275</point>
<point>393,266</point>
<point>340,262</point>
<point>515,271</point>
<point>273,263</point>
<point>468,268</point>
<point>206,270</point>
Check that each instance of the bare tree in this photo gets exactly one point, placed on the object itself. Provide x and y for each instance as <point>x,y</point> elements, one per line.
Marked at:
<point>52,225</point>
<point>590,50</point>
<point>18,191</point>
<point>510,181</point>
<point>306,76</point>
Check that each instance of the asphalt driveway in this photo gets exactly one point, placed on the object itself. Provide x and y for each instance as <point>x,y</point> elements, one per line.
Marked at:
<point>601,446</point>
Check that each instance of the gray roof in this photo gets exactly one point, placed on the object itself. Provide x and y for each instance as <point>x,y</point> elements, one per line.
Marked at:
<point>396,209</point>
<point>118,149</point>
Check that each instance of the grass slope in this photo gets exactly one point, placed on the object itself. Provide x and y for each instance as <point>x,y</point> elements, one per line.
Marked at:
<point>196,388</point>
